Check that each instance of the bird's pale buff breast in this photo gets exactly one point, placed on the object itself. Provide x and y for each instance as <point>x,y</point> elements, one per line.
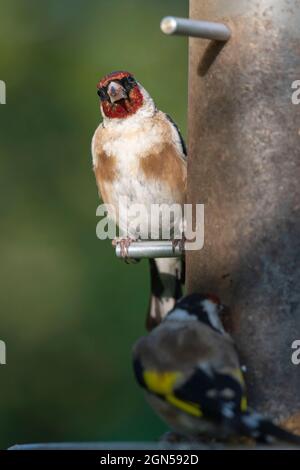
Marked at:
<point>141,162</point>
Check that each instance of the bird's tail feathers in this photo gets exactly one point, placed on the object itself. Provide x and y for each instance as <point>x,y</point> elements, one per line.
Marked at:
<point>257,427</point>
<point>269,430</point>
<point>167,277</point>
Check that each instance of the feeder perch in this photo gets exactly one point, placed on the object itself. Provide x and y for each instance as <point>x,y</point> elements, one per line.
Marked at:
<point>196,28</point>
<point>152,249</point>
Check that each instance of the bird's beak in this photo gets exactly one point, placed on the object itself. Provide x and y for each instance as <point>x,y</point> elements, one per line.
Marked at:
<point>116,92</point>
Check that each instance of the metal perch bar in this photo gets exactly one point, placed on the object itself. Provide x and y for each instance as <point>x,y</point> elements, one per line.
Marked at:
<point>101,446</point>
<point>140,445</point>
<point>196,28</point>
<point>152,249</point>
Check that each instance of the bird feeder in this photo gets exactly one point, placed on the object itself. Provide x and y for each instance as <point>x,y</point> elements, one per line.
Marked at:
<point>244,165</point>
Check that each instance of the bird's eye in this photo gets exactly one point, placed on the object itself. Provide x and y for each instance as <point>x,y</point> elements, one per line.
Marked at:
<point>128,83</point>
<point>101,93</point>
<point>130,80</point>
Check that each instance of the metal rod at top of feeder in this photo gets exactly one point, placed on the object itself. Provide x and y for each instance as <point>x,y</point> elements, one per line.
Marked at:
<point>152,249</point>
<point>196,28</point>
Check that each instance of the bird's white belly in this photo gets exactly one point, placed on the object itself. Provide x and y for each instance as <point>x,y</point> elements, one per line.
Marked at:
<point>136,202</point>
<point>133,193</point>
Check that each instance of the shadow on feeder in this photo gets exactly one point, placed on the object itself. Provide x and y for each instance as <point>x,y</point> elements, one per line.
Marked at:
<point>213,50</point>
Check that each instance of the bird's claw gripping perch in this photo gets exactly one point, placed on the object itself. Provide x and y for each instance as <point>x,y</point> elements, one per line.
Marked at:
<point>124,244</point>
<point>180,243</point>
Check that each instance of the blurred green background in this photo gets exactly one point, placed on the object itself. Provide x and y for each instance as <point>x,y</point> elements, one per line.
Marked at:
<point>70,311</point>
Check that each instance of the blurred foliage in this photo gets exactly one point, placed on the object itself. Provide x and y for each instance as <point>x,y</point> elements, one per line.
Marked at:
<point>70,311</point>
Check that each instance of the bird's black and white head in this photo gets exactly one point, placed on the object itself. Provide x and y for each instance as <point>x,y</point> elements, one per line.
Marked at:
<point>205,308</point>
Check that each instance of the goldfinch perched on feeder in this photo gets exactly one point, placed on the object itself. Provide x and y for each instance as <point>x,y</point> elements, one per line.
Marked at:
<point>190,371</point>
<point>139,157</point>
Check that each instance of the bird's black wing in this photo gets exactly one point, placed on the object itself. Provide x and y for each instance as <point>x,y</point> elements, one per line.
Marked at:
<point>217,394</point>
<point>179,134</point>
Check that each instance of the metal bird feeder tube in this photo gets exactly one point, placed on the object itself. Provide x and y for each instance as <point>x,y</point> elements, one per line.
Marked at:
<point>244,165</point>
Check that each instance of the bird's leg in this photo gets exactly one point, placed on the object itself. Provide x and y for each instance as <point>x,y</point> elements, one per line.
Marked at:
<point>179,242</point>
<point>125,244</point>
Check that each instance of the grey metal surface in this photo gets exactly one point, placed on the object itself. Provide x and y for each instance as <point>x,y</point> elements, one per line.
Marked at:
<point>144,446</point>
<point>200,29</point>
<point>244,165</point>
<point>151,249</point>
<point>116,446</point>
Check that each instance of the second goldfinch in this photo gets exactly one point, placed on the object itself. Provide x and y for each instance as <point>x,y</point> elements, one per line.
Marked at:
<point>190,371</point>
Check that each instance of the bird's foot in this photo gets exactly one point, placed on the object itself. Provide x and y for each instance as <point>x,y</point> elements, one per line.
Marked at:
<point>124,245</point>
<point>180,243</point>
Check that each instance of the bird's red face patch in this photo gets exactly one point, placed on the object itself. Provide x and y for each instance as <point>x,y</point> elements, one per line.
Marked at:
<point>120,95</point>
<point>214,298</point>
<point>119,75</point>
